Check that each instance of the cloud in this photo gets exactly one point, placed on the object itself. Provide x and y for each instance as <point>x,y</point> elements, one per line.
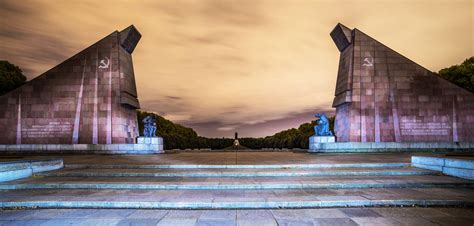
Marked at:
<point>227,128</point>
<point>177,118</point>
<point>173,97</point>
<point>259,66</point>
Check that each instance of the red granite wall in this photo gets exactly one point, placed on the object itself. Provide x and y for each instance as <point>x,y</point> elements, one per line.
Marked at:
<point>389,98</point>
<point>90,98</point>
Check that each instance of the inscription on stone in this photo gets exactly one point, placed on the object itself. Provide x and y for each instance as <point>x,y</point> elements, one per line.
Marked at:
<point>53,129</point>
<point>414,127</point>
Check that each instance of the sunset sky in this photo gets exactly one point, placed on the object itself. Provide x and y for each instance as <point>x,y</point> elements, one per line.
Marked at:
<point>252,66</point>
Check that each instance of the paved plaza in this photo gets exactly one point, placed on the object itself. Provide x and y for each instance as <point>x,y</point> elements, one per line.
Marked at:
<point>333,216</point>
<point>223,158</point>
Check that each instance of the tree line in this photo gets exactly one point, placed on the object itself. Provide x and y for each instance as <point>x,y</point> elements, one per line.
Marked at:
<point>176,136</point>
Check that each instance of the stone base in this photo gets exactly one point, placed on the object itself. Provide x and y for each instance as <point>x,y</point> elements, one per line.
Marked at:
<point>12,170</point>
<point>150,140</point>
<point>314,141</point>
<point>135,149</point>
<point>463,168</point>
<point>368,147</point>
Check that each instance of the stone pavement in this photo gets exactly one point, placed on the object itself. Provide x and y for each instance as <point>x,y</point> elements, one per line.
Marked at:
<point>332,216</point>
<point>225,158</point>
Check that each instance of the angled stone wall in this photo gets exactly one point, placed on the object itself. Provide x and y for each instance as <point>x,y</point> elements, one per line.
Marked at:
<point>382,96</point>
<point>90,98</point>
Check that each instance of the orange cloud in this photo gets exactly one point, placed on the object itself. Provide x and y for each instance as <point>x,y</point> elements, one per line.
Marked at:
<point>242,64</point>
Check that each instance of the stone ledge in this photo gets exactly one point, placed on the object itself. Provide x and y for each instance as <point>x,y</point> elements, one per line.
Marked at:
<point>20,169</point>
<point>82,148</point>
<point>215,166</point>
<point>233,174</point>
<point>233,204</point>
<point>368,147</point>
<point>229,186</point>
<point>150,140</point>
<point>463,168</point>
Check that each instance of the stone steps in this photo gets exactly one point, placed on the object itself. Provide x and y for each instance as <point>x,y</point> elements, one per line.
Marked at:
<point>246,172</point>
<point>238,199</point>
<point>241,166</point>
<point>223,183</point>
<point>235,186</point>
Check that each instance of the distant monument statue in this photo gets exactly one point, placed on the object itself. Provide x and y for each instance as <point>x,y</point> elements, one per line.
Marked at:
<point>149,129</point>
<point>322,125</point>
<point>236,141</point>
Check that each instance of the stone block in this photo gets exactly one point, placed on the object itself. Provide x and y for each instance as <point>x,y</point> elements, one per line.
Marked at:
<point>378,145</point>
<point>46,165</point>
<point>345,145</point>
<point>25,168</point>
<point>459,172</point>
<point>150,140</point>
<point>429,167</point>
<point>433,161</point>
<point>322,139</point>
<point>459,163</point>
<point>15,174</point>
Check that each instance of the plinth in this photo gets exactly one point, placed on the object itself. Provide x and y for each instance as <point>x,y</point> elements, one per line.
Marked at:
<point>153,143</point>
<point>315,141</point>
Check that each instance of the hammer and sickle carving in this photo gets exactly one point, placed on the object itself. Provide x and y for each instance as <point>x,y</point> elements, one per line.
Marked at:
<point>104,63</point>
<point>368,62</point>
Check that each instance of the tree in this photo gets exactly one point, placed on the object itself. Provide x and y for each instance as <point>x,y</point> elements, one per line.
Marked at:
<point>181,137</point>
<point>461,75</point>
<point>11,77</point>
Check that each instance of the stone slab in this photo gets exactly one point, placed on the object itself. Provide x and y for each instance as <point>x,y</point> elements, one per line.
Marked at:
<point>459,172</point>
<point>322,139</point>
<point>150,140</point>
<point>429,167</point>
<point>243,166</point>
<point>236,173</point>
<point>459,163</point>
<point>379,147</point>
<point>231,204</point>
<point>268,217</point>
<point>82,148</point>
<point>154,183</point>
<point>463,168</point>
<point>21,169</point>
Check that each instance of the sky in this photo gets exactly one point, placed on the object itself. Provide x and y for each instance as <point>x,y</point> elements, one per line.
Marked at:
<point>220,66</point>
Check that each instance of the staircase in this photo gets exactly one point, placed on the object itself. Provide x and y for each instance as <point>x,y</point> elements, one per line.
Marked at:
<point>200,186</point>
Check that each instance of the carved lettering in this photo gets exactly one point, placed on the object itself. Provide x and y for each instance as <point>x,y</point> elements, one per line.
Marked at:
<point>413,127</point>
<point>51,130</point>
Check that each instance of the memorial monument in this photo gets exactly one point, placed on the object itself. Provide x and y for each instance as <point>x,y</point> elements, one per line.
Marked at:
<point>236,143</point>
<point>90,98</point>
<point>382,96</point>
